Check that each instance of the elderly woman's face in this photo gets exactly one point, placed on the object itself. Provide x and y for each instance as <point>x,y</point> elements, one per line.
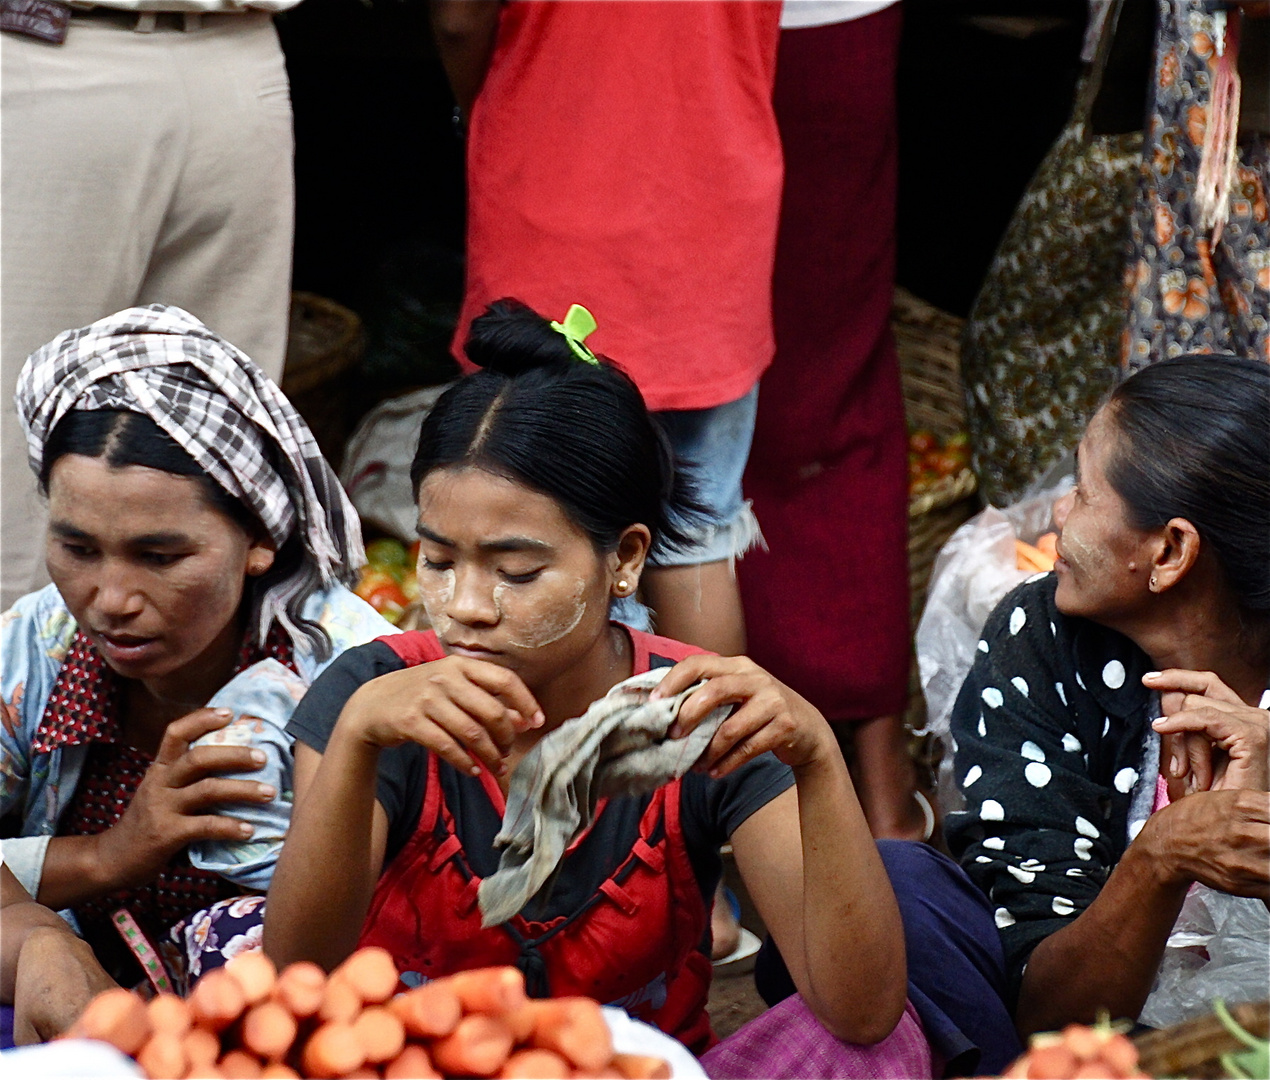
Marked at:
<point>1104,561</point>
<point>152,572</point>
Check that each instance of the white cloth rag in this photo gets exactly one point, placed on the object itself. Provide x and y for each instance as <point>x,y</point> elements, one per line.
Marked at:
<point>617,747</point>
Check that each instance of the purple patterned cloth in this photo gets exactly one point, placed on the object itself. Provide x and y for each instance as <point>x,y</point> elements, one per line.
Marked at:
<point>788,1041</point>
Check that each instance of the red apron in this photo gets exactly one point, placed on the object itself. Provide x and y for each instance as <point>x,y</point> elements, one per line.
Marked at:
<point>635,943</point>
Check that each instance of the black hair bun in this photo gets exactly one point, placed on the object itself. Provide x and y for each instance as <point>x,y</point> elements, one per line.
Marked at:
<point>511,338</point>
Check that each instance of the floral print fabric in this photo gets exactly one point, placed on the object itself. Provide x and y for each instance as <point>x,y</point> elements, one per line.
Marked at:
<point>1185,294</point>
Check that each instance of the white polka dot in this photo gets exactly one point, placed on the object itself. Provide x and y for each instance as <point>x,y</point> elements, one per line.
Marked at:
<point>1033,865</point>
<point>1113,674</point>
<point>1082,847</point>
<point>983,728</point>
<point>992,697</point>
<point>1075,871</point>
<point>1025,876</point>
<point>1018,617</point>
<point>972,774</point>
<point>1079,681</point>
<point>991,810</point>
<point>1071,744</point>
<point>1036,577</point>
<point>1003,918</point>
<point>1125,779</point>
<point>1053,630</point>
<point>1062,694</point>
<point>1087,828</point>
<point>982,859</point>
<point>1020,684</point>
<point>1031,751</point>
<point>1038,775</point>
<point>983,646</point>
<point>1106,725</point>
<point>994,843</point>
<point>1135,827</point>
<point>1062,906</point>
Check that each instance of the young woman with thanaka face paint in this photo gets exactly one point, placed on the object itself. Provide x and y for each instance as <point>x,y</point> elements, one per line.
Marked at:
<point>541,484</point>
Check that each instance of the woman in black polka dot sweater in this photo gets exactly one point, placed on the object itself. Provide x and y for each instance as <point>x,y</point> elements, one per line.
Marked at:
<point>1087,818</point>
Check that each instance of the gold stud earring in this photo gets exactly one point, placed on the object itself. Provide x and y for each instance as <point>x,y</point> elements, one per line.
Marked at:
<point>1154,583</point>
<point>623,587</point>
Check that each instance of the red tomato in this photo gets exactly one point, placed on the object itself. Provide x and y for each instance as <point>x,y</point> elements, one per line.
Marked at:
<point>947,463</point>
<point>373,578</point>
<point>922,441</point>
<point>389,601</point>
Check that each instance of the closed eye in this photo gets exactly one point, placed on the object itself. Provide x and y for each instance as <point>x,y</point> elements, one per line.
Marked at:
<point>520,579</point>
<point>428,564</point>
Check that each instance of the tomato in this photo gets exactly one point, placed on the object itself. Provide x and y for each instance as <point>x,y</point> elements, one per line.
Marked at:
<point>947,463</point>
<point>922,441</point>
<point>389,601</point>
<point>410,586</point>
<point>373,577</point>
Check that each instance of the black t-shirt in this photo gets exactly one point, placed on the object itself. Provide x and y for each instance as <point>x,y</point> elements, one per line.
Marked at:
<point>710,809</point>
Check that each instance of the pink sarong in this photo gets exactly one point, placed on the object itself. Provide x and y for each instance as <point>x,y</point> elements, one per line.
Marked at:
<point>788,1041</point>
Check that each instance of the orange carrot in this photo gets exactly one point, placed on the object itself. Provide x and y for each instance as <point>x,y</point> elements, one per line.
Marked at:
<point>269,1030</point>
<point>574,1028</point>
<point>163,1057</point>
<point>1121,1055</point>
<point>382,1033</point>
<point>300,987</point>
<point>170,1014</point>
<point>1047,544</point>
<point>641,1067</point>
<point>364,1073</point>
<point>340,1002</point>
<point>1050,1062</point>
<point>604,1072</point>
<point>278,1071</point>
<point>413,1063</point>
<point>429,1011</point>
<point>118,1017</point>
<point>255,974</point>
<point>479,1046</point>
<point>332,1050</point>
<point>202,1049</point>
<point>534,1065</point>
<point>217,1000</point>
<point>240,1065</point>
<point>371,972</point>
<point>493,990</point>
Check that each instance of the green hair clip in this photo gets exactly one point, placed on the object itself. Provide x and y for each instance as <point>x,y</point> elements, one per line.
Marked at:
<point>578,324</point>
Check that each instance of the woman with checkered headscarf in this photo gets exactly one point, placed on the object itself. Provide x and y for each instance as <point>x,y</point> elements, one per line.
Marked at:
<point>198,544</point>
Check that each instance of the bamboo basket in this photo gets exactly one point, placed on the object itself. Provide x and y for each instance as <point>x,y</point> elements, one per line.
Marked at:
<point>324,346</point>
<point>1195,1049</point>
<point>928,344</point>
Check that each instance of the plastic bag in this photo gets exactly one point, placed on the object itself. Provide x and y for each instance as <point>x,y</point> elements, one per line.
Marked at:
<point>377,457</point>
<point>972,573</point>
<point>1217,950</point>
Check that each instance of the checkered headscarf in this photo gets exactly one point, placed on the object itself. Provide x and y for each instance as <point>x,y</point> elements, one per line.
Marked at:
<point>223,411</point>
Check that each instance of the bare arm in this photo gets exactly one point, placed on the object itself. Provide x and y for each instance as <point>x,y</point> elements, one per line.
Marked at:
<point>807,856</point>
<point>1107,957</point>
<point>465,31</point>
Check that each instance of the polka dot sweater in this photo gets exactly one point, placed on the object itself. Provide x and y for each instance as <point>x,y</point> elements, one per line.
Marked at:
<point>1057,761</point>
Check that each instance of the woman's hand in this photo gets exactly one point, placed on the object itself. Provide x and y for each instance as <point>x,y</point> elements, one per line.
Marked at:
<point>170,808</point>
<point>1218,838</point>
<point>1211,737</point>
<point>770,716</point>
<point>459,708</point>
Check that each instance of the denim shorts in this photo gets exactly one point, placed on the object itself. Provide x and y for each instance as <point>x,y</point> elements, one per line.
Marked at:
<point>713,445</point>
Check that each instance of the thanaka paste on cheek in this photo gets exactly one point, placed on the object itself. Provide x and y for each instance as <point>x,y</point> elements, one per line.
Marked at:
<point>1080,555</point>
<point>540,629</point>
<point>436,590</point>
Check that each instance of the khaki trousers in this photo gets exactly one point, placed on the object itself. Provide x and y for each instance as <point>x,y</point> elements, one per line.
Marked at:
<point>137,168</point>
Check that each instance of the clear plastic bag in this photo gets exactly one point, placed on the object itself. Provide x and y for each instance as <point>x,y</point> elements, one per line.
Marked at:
<point>972,573</point>
<point>1218,949</point>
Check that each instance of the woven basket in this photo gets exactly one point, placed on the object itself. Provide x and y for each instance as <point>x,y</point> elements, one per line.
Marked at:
<point>1194,1049</point>
<point>928,342</point>
<point>323,349</point>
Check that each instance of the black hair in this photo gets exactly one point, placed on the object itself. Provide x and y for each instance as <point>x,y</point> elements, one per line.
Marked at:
<point>1195,444</point>
<point>576,431</point>
<point>121,437</point>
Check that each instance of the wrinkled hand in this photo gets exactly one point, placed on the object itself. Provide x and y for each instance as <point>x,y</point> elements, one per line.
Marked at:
<point>1212,739</point>
<point>461,709</point>
<point>1218,838</point>
<point>171,808</point>
<point>769,715</point>
<point>57,976</point>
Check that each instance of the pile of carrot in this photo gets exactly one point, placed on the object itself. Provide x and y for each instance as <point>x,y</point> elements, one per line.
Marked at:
<point>1079,1052</point>
<point>1039,556</point>
<point>249,1020</point>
